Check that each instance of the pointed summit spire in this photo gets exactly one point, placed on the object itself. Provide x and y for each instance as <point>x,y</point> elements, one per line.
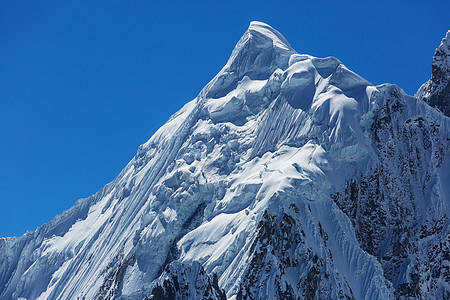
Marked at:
<point>441,58</point>
<point>264,31</point>
<point>259,52</point>
<point>436,91</point>
<point>260,49</point>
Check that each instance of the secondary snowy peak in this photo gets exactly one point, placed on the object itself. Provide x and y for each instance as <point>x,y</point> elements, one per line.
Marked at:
<point>289,176</point>
<point>441,58</point>
<point>436,91</point>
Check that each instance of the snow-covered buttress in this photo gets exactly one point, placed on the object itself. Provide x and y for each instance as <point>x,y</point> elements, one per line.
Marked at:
<point>287,177</point>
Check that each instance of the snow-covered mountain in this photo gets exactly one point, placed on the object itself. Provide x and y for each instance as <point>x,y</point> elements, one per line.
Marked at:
<point>288,177</point>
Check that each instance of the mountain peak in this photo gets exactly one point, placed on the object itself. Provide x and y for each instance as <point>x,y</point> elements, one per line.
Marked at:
<point>441,58</point>
<point>289,176</point>
<point>268,35</point>
<point>260,51</point>
<point>436,91</point>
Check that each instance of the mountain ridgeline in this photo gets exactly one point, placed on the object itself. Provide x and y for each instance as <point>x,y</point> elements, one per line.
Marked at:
<point>287,177</point>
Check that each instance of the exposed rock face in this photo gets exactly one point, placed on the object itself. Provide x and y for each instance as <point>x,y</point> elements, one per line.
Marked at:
<point>406,235</point>
<point>283,266</point>
<point>187,282</point>
<point>436,91</point>
<point>288,177</point>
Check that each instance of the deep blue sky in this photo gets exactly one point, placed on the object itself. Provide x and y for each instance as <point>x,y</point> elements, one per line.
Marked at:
<point>84,83</point>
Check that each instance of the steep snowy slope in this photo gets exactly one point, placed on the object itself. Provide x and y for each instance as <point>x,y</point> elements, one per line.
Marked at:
<point>289,176</point>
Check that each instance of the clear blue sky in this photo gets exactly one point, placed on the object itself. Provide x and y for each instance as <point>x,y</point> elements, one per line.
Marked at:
<point>84,83</point>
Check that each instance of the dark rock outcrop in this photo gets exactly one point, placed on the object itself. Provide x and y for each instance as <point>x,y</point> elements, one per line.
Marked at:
<point>436,91</point>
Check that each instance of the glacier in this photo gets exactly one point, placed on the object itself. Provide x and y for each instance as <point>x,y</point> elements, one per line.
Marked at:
<point>287,177</point>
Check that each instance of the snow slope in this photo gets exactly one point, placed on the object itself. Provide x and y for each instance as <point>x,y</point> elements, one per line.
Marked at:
<point>289,176</point>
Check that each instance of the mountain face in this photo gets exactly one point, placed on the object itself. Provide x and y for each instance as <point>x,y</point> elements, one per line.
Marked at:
<point>436,91</point>
<point>288,177</point>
